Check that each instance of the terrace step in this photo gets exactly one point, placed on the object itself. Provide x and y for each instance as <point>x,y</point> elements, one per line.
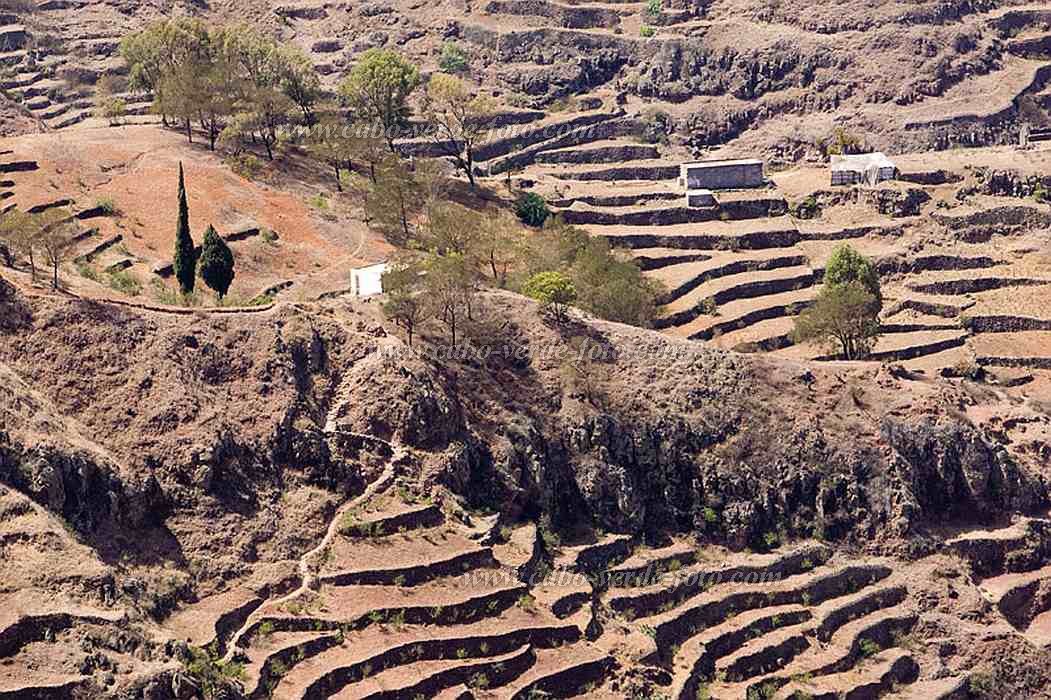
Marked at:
<point>651,169</point>
<point>952,688</point>
<point>887,669</point>
<point>428,678</point>
<point>1020,597</point>
<point>765,336</point>
<point>659,258</point>
<point>403,520</point>
<point>733,287</point>
<point>563,673</point>
<point>610,550</point>
<point>695,580</point>
<point>53,689</point>
<point>742,314</point>
<point>11,59</point>
<point>990,551</point>
<point>25,628</point>
<point>840,655</point>
<point>415,574</point>
<point>723,268</point>
<point>973,285</point>
<point>722,603</point>
<point>639,567</point>
<point>70,119</point>
<point>566,16</point>
<point>279,652</point>
<point>212,620</point>
<point>333,670</point>
<point>698,655</point>
<point>545,130</point>
<point>618,200</point>
<point>773,234</point>
<point>601,152</point>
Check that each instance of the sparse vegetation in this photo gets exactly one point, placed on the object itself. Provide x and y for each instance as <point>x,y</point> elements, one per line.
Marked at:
<point>531,209</point>
<point>453,58</point>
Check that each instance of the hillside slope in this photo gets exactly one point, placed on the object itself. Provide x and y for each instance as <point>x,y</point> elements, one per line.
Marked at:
<point>200,456</point>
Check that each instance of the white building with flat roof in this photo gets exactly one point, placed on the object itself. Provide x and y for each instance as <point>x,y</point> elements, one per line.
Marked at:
<point>368,281</point>
<point>870,168</point>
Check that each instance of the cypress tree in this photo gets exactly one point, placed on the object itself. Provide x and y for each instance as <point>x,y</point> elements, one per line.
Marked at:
<point>217,262</point>
<point>185,261</point>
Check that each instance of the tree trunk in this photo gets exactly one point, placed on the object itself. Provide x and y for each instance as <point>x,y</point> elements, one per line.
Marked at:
<point>189,131</point>
<point>54,279</point>
<point>339,185</point>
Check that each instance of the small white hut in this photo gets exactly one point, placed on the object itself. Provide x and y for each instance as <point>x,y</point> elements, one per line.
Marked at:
<point>870,168</point>
<point>368,281</point>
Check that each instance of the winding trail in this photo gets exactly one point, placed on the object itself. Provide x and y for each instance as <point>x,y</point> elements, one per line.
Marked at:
<point>309,579</point>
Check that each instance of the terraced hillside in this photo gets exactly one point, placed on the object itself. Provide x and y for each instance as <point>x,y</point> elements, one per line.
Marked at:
<point>286,502</point>
<point>764,80</point>
<point>964,256</point>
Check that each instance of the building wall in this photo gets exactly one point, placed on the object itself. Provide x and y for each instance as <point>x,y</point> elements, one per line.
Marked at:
<point>850,177</point>
<point>700,199</point>
<point>724,177</point>
<point>367,281</point>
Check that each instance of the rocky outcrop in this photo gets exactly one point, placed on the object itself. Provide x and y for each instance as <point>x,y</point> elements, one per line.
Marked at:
<point>894,203</point>
<point>77,487</point>
<point>946,469</point>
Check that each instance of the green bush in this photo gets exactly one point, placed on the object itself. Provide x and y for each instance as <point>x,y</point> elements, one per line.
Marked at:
<point>107,206</point>
<point>654,7</point>
<point>656,127</point>
<point>553,290</point>
<point>453,59</point>
<point>531,209</point>
<point>646,31</point>
<point>125,282</point>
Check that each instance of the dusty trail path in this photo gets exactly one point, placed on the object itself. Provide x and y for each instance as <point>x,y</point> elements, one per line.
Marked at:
<point>307,572</point>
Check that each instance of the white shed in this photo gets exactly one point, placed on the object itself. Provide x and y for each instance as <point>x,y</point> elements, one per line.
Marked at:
<point>870,168</point>
<point>368,281</point>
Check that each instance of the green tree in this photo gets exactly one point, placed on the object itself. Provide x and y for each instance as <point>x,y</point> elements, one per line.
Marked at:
<point>531,209</point>
<point>56,239</point>
<point>299,81</point>
<point>19,231</point>
<point>394,202</point>
<point>450,283</point>
<point>405,302</point>
<point>330,146</point>
<point>501,241</point>
<point>460,120</point>
<point>216,263</point>
<point>847,265</point>
<point>378,89</point>
<point>844,317</point>
<point>185,261</point>
<point>553,290</point>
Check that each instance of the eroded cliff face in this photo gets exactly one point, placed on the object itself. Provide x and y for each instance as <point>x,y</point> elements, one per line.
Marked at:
<point>125,420</point>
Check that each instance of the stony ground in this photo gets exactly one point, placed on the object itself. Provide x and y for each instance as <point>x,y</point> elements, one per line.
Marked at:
<point>338,538</point>
<point>285,500</point>
<point>777,79</point>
